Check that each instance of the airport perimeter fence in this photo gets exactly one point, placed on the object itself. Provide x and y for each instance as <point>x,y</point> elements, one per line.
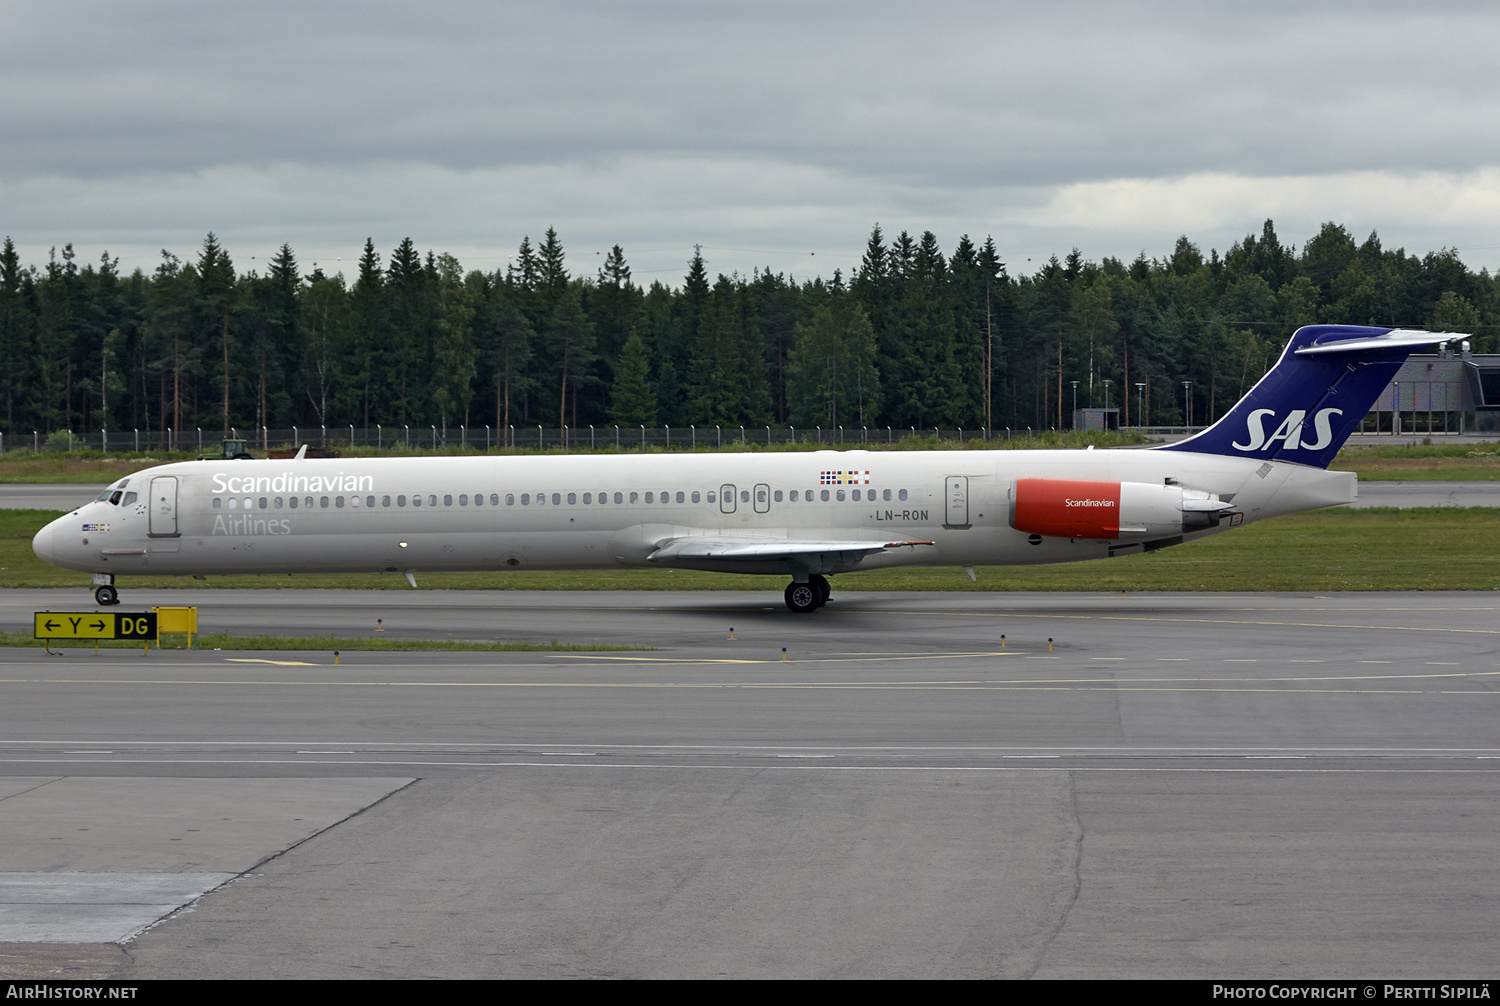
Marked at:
<point>486,438</point>
<point>599,438</point>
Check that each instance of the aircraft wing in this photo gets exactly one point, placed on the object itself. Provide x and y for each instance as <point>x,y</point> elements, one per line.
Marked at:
<point>751,548</point>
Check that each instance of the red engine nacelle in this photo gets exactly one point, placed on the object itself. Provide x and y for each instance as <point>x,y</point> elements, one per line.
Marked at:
<point>1074,508</point>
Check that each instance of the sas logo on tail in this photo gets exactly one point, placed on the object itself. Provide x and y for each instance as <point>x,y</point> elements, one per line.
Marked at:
<point>1290,430</point>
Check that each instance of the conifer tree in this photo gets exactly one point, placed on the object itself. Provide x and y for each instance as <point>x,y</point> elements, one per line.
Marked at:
<point>411,338</point>
<point>369,343</point>
<point>632,403</point>
<point>12,329</point>
<point>570,342</point>
<point>453,346</point>
<point>832,376</point>
<point>215,294</point>
<point>552,274</point>
<point>700,336</point>
<point>510,342</point>
<point>613,304</point>
<point>277,351</point>
<point>325,323</point>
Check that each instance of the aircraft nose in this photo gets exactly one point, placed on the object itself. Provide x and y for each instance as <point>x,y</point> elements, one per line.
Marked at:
<point>42,544</point>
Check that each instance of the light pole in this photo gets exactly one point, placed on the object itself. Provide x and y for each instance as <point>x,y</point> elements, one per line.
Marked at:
<point>1107,383</point>
<point>1140,403</point>
<point>1075,403</point>
<point>1187,402</point>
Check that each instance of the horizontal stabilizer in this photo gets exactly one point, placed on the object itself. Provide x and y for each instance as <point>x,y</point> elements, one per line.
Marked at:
<point>1395,339</point>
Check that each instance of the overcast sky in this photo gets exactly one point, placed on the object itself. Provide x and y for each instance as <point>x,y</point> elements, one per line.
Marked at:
<point>774,134</point>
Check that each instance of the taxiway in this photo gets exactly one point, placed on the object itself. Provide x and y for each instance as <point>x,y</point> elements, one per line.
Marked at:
<point>1216,786</point>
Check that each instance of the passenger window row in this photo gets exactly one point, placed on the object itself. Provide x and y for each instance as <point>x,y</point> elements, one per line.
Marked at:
<point>512,499</point>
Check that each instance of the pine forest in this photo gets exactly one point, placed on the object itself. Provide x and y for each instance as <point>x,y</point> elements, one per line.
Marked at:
<point>911,336</point>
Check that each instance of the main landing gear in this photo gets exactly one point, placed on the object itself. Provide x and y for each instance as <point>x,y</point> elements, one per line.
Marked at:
<point>810,596</point>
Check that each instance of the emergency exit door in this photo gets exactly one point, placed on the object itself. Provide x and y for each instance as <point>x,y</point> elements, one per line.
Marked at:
<point>956,502</point>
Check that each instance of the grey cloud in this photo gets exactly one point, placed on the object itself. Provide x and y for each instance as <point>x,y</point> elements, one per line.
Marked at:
<point>969,93</point>
<point>768,125</point>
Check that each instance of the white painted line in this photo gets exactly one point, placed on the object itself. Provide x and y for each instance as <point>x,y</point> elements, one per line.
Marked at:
<point>262,660</point>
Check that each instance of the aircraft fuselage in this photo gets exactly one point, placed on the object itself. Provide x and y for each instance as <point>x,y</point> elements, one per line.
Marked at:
<point>404,515</point>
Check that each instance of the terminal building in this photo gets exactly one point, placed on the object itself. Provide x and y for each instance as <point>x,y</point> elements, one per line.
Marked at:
<point>1455,391</point>
<point>1447,392</point>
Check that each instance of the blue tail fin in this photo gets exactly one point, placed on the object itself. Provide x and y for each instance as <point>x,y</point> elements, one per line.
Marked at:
<point>1307,405</point>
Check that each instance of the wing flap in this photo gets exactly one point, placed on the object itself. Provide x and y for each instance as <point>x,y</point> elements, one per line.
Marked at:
<point>748,548</point>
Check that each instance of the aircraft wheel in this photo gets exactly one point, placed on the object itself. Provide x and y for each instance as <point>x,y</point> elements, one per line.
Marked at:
<point>803,597</point>
<point>106,596</point>
<point>824,591</point>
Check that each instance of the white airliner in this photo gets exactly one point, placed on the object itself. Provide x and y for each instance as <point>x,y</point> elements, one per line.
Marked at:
<point>803,516</point>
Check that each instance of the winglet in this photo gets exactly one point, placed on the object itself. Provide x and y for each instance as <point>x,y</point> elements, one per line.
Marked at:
<point>301,453</point>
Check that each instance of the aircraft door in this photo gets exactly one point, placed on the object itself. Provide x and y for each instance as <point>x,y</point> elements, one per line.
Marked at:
<point>956,502</point>
<point>163,510</point>
<point>762,498</point>
<point>726,499</point>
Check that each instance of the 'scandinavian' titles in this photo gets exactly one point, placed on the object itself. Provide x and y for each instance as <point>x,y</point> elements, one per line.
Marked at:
<point>287,482</point>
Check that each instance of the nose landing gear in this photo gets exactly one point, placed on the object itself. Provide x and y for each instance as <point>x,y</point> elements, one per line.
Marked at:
<point>105,593</point>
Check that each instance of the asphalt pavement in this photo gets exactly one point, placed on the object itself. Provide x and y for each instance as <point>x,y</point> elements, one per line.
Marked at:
<point>1152,785</point>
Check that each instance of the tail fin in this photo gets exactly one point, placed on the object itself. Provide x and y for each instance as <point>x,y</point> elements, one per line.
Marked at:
<point>1307,405</point>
